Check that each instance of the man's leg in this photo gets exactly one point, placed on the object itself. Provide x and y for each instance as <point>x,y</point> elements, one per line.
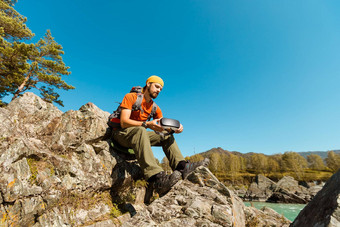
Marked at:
<point>169,146</point>
<point>174,155</point>
<point>138,139</point>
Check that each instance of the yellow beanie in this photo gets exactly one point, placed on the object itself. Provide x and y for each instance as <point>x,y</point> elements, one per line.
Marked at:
<point>155,79</point>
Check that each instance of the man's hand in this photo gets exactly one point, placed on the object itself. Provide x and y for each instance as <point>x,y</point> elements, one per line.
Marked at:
<point>180,129</point>
<point>155,125</point>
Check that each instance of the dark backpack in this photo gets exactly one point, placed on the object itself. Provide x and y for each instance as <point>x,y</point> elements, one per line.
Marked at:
<point>114,118</point>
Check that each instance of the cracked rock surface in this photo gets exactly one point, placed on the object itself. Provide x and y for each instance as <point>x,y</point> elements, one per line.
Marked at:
<point>57,169</point>
<point>202,200</point>
<point>324,209</point>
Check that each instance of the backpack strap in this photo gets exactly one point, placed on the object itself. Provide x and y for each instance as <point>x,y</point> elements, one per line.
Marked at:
<point>114,118</point>
<point>138,104</point>
<point>153,111</point>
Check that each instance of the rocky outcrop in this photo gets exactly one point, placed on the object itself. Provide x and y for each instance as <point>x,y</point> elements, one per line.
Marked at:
<point>261,189</point>
<point>286,190</point>
<point>324,209</point>
<point>203,201</point>
<point>57,169</point>
<point>284,196</point>
<point>301,191</point>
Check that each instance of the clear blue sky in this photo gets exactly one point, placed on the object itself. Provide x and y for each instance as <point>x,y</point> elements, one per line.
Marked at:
<point>247,76</point>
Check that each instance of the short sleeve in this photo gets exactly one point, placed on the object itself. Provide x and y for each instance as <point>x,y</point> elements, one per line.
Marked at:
<point>128,101</point>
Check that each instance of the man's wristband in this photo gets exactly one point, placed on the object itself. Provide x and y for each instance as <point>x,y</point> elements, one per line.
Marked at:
<point>144,124</point>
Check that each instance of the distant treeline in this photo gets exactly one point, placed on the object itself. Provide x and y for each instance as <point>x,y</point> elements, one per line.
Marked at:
<point>238,168</point>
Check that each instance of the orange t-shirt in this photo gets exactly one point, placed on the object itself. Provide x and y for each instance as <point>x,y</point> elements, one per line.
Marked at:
<point>130,99</point>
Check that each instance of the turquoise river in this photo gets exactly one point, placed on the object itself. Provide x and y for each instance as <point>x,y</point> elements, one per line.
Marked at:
<point>290,211</point>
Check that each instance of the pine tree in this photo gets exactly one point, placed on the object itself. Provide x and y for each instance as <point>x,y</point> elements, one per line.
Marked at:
<point>26,66</point>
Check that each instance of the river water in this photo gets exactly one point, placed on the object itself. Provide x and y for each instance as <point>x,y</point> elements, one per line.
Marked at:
<point>290,211</point>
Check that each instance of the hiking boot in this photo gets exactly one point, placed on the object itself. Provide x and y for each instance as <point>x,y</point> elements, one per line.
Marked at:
<point>191,166</point>
<point>161,183</point>
<point>164,182</point>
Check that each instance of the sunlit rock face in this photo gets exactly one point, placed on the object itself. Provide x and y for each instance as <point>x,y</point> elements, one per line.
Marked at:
<point>202,200</point>
<point>58,169</point>
<point>286,190</point>
<point>324,209</point>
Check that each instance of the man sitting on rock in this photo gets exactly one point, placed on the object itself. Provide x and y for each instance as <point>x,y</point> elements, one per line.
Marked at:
<point>133,134</point>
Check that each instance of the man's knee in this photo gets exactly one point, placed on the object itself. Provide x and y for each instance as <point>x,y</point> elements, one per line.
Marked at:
<point>168,139</point>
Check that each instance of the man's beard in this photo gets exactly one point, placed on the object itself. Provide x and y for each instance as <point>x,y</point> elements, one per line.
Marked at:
<point>152,95</point>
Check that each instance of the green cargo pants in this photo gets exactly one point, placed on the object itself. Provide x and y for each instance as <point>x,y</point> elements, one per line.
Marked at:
<point>141,140</point>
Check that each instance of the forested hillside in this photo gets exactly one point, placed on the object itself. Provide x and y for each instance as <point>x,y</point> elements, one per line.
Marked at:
<point>237,168</point>
<point>322,154</point>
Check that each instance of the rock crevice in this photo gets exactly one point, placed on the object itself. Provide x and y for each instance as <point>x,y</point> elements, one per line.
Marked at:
<point>58,169</point>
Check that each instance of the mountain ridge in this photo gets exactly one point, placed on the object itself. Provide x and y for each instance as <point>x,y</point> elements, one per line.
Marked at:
<point>322,154</point>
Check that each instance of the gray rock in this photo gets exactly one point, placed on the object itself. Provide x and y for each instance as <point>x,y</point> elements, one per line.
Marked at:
<point>288,183</point>
<point>261,189</point>
<point>284,196</point>
<point>106,223</point>
<point>313,190</point>
<point>324,209</point>
<point>221,214</point>
<point>26,111</point>
<point>53,163</point>
<point>286,190</point>
<point>57,169</point>
<point>73,128</point>
<point>201,201</point>
<point>290,191</point>
<point>264,217</point>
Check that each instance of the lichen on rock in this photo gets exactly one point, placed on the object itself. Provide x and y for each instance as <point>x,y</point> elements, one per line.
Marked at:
<point>58,169</point>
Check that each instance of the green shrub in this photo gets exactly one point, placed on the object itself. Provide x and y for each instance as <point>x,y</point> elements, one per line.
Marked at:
<point>115,212</point>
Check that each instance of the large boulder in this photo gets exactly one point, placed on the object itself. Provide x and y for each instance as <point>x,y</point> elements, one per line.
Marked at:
<point>261,189</point>
<point>286,190</point>
<point>284,196</point>
<point>26,115</point>
<point>292,186</point>
<point>324,209</point>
